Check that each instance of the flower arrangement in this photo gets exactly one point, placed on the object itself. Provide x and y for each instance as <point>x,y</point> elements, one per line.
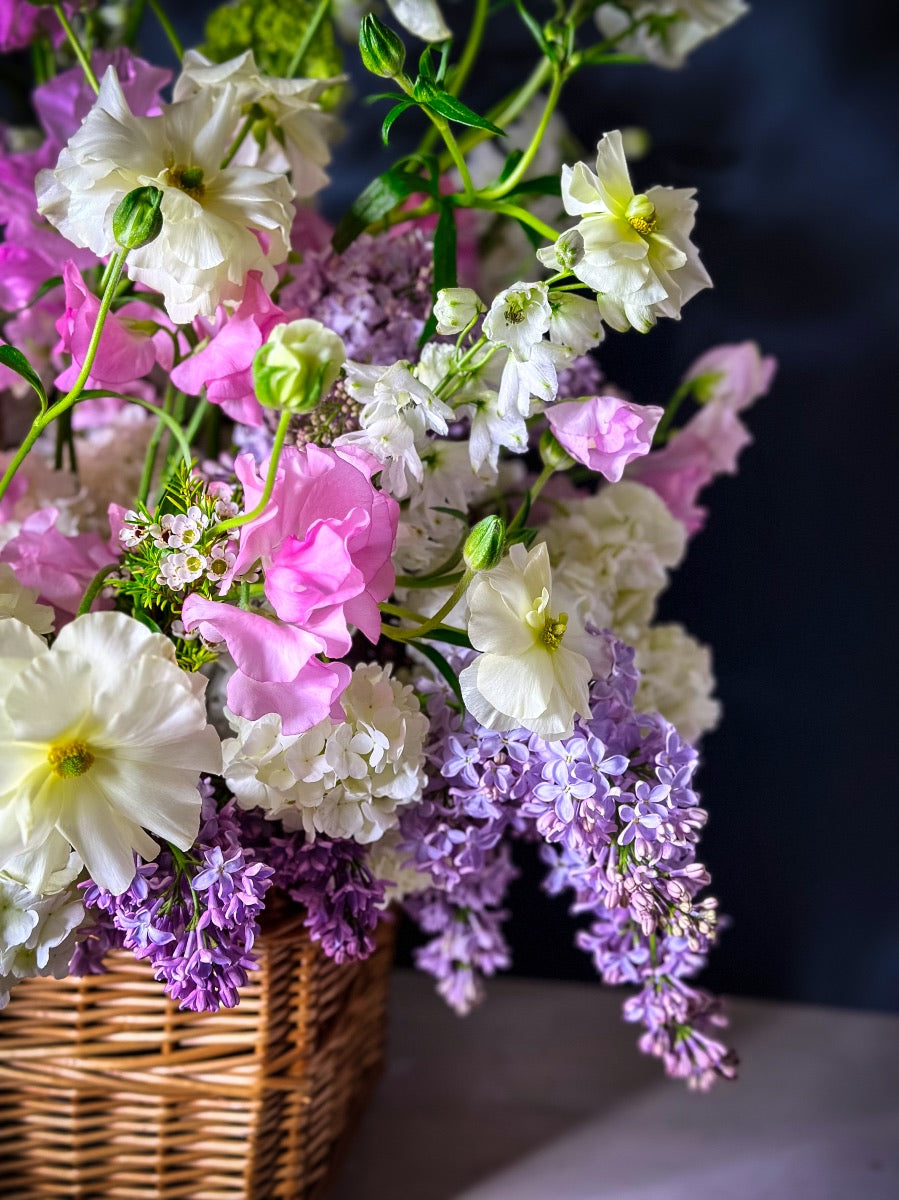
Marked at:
<point>330,560</point>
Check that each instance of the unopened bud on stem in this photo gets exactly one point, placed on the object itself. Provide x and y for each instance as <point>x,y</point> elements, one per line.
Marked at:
<point>484,545</point>
<point>298,365</point>
<point>383,52</point>
<point>138,219</point>
<point>553,453</point>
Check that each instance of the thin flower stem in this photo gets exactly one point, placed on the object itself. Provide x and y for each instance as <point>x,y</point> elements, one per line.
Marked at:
<point>77,47</point>
<point>533,492</point>
<point>671,409</point>
<point>238,140</point>
<point>522,214</point>
<point>277,447</point>
<point>167,28</point>
<point>455,153</point>
<point>515,177</point>
<point>95,587</point>
<point>308,36</point>
<point>146,477</point>
<point>432,622</point>
<point>472,46</point>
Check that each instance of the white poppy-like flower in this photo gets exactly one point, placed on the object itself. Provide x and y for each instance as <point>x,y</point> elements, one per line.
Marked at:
<point>611,555</point>
<point>210,214</point>
<point>518,318</point>
<point>533,670</point>
<point>102,741</point>
<point>676,680</point>
<point>422,18</point>
<point>633,250</point>
<point>678,27</point>
<point>341,778</point>
<point>397,412</point>
<point>21,603</point>
<point>291,105</point>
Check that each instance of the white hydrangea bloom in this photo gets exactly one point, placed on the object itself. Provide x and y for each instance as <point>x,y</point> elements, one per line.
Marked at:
<point>396,868</point>
<point>21,603</point>
<point>292,105</point>
<point>102,741</point>
<point>211,215</point>
<point>633,250</point>
<point>676,679</point>
<point>341,778</point>
<point>611,554</point>
<point>679,26</point>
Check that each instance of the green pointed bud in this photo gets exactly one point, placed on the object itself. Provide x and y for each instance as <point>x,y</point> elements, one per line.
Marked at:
<point>138,219</point>
<point>382,50</point>
<point>553,453</point>
<point>298,365</point>
<point>484,545</point>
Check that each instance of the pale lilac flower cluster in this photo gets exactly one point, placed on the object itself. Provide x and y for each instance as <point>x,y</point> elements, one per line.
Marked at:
<point>615,808</point>
<point>195,917</point>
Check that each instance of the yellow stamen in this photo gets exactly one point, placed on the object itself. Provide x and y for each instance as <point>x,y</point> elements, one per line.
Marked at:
<point>188,179</point>
<point>642,225</point>
<point>554,630</point>
<point>70,760</point>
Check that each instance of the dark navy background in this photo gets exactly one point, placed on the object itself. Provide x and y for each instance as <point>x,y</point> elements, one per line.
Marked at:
<point>785,125</point>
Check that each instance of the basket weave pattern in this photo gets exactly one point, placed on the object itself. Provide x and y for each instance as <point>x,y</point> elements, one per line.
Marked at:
<point>106,1089</point>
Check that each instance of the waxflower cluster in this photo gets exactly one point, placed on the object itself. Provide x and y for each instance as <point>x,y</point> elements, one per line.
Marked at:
<point>330,560</point>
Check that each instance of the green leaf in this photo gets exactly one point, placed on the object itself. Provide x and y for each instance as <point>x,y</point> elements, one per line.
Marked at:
<point>396,111</point>
<point>451,512</point>
<point>512,161</point>
<point>16,361</point>
<point>453,109</point>
<point>452,637</point>
<point>381,195</point>
<point>536,31</point>
<point>531,234</point>
<point>436,658</point>
<point>542,185</point>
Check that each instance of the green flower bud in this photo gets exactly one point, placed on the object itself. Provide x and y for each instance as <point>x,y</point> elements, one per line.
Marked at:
<point>552,453</point>
<point>484,545</point>
<point>382,50</point>
<point>138,219</point>
<point>298,365</point>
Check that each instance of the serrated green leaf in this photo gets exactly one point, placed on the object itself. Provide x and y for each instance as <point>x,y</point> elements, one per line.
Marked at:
<point>396,111</point>
<point>436,658</point>
<point>453,109</point>
<point>16,361</point>
<point>383,194</point>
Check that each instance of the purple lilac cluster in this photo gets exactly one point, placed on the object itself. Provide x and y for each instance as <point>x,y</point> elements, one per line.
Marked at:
<point>194,916</point>
<point>619,820</point>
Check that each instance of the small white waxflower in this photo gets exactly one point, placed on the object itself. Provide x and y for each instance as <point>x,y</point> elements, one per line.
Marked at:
<point>636,250</point>
<point>611,555</point>
<point>180,531</point>
<point>342,778</point>
<point>21,603</point>
<point>679,26</point>
<point>210,214</point>
<point>456,308</point>
<point>102,741</point>
<point>676,679</point>
<point>180,568</point>
<point>532,671</point>
<point>518,318</point>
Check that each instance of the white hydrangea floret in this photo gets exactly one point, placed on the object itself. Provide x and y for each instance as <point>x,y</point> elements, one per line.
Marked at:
<point>677,680</point>
<point>396,869</point>
<point>342,779</point>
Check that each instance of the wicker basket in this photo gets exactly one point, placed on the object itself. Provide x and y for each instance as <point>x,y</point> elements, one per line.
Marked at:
<point>107,1090</point>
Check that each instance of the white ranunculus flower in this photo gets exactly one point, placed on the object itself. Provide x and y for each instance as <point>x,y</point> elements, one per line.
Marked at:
<point>290,104</point>
<point>533,670</point>
<point>210,214</point>
<point>341,778</point>
<point>633,250</point>
<point>102,741</point>
<point>611,554</point>
<point>676,679</point>
<point>21,603</point>
<point>680,26</point>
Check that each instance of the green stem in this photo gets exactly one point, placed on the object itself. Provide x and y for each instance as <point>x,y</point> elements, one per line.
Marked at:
<point>522,214</point>
<point>455,153</point>
<point>472,46</point>
<point>167,28</point>
<point>146,477</point>
<point>277,447</point>
<point>308,36</point>
<point>512,180</point>
<point>671,410</point>
<point>432,622</point>
<point>239,139</point>
<point>533,492</point>
<point>95,587</point>
<point>77,48</point>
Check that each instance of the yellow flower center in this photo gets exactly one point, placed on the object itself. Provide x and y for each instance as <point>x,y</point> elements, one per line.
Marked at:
<point>188,179</point>
<point>641,215</point>
<point>554,630</point>
<point>70,759</point>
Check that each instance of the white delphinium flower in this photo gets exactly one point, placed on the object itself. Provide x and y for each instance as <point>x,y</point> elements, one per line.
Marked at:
<point>676,679</point>
<point>676,27</point>
<point>611,555</point>
<point>518,318</point>
<point>210,214</point>
<point>341,778</point>
<point>37,931</point>
<point>455,309</point>
<point>422,18</point>
<point>633,250</point>
<point>290,105</point>
<point>396,868</point>
<point>525,675</point>
<point>574,322</point>
<point>21,603</point>
<point>397,412</point>
<point>102,742</point>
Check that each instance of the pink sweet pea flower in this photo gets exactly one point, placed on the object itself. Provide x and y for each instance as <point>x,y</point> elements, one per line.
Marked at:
<point>277,668</point>
<point>605,433</point>
<point>325,521</point>
<point>59,567</point>
<point>737,374</point>
<point>21,22</point>
<point>126,352</point>
<point>224,367</point>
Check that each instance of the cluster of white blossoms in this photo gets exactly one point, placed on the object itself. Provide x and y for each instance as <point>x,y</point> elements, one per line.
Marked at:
<point>676,679</point>
<point>666,30</point>
<point>343,779</point>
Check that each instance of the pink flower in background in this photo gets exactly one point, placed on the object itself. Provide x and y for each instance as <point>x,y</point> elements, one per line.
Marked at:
<point>711,441</point>
<point>277,668</point>
<point>325,521</point>
<point>224,367</point>
<point>21,22</point>
<point>59,567</point>
<point>605,433</point>
<point>126,352</point>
